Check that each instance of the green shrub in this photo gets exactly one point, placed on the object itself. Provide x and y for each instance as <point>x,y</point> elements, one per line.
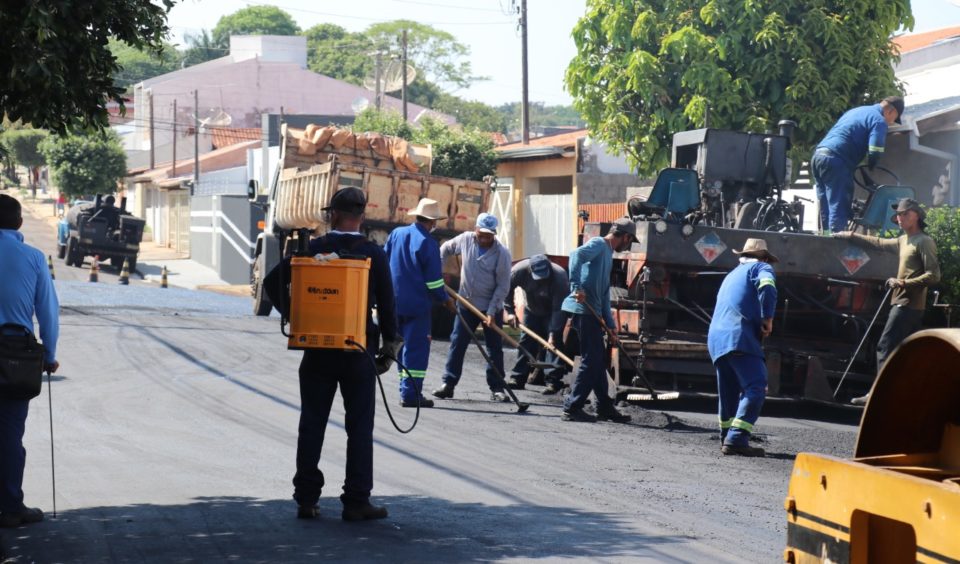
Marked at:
<point>943,224</point>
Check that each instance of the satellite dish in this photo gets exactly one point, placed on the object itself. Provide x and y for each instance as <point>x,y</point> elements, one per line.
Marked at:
<point>359,104</point>
<point>391,77</point>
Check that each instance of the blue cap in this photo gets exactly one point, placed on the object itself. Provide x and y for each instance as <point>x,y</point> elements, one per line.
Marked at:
<point>487,223</point>
<point>540,267</point>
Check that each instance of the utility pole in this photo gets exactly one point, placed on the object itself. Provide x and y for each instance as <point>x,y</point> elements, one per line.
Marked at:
<point>173,173</point>
<point>152,146</point>
<point>377,76</point>
<point>196,141</point>
<point>525,102</point>
<point>403,65</point>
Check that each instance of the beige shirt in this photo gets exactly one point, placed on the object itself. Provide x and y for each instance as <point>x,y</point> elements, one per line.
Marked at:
<point>918,266</point>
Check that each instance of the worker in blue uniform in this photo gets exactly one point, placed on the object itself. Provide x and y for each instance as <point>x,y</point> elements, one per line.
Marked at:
<point>859,132</point>
<point>323,370</point>
<point>417,283</point>
<point>742,317</point>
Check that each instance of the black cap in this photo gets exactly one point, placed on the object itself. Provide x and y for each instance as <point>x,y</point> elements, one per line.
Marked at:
<point>897,103</point>
<point>349,200</point>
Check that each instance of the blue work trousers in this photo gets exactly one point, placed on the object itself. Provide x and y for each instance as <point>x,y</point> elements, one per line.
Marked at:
<point>539,324</point>
<point>321,372</point>
<point>742,387</point>
<point>13,457</point>
<point>592,374</point>
<point>834,181</point>
<point>462,337</point>
<point>415,355</point>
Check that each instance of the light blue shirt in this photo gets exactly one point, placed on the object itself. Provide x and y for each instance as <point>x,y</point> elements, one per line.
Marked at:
<point>26,289</point>
<point>484,277</point>
<point>590,267</point>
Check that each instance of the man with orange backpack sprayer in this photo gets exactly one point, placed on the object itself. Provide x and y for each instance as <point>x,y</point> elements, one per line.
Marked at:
<point>417,282</point>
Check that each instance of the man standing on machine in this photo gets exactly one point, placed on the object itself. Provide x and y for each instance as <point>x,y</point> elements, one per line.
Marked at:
<point>322,370</point>
<point>417,282</point>
<point>590,267</point>
<point>741,319</point>
<point>484,281</point>
<point>860,131</point>
<point>544,285</point>
<point>918,269</point>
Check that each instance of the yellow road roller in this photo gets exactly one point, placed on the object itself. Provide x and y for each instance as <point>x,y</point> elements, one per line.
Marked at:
<point>898,499</point>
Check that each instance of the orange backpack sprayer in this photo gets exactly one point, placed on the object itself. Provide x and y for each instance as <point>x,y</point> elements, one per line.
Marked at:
<point>328,303</point>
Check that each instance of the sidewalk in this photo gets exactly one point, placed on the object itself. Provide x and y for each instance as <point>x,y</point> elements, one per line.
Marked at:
<point>181,271</point>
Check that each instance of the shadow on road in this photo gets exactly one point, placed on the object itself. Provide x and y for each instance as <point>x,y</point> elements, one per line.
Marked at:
<point>419,529</point>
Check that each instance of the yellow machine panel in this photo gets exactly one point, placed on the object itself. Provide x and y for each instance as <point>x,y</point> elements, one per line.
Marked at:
<point>328,303</point>
<point>898,500</point>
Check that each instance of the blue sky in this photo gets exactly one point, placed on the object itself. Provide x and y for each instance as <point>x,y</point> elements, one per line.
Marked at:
<point>485,27</point>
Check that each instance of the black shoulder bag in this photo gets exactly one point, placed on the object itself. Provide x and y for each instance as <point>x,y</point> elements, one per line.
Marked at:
<point>21,363</point>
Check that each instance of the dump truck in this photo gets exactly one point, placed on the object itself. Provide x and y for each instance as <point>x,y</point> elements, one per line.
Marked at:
<point>898,498</point>
<point>723,188</point>
<point>312,169</point>
<point>102,230</point>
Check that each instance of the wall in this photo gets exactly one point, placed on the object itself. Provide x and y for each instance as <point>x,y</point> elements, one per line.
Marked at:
<point>920,170</point>
<point>223,231</point>
<point>603,188</point>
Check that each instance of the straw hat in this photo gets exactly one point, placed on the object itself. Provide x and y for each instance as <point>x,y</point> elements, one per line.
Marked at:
<point>757,248</point>
<point>427,208</point>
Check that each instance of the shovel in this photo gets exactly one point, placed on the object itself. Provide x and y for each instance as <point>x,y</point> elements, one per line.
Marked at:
<point>533,361</point>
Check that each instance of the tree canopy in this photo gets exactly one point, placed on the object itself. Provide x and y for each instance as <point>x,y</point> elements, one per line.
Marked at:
<point>646,69</point>
<point>137,65</point>
<point>254,20</point>
<point>86,164</point>
<point>54,57</point>
<point>24,146</point>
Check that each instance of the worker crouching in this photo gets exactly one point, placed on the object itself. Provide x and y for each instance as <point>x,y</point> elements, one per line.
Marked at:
<point>742,317</point>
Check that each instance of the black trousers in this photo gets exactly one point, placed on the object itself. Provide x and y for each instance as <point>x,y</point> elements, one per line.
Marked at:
<point>321,372</point>
<point>901,323</point>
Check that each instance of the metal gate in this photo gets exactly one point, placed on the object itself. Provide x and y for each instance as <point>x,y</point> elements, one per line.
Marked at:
<point>501,205</point>
<point>548,225</point>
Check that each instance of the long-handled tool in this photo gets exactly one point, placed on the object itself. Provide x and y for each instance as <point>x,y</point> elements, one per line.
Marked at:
<point>623,353</point>
<point>53,467</point>
<point>533,361</point>
<point>546,344</point>
<point>866,333</point>
<point>521,407</point>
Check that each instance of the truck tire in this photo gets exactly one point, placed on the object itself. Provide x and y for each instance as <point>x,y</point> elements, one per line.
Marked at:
<point>73,257</point>
<point>261,303</point>
<point>61,251</point>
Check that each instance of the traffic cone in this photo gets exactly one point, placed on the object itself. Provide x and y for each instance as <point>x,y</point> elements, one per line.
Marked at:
<point>95,269</point>
<point>163,277</point>
<point>50,267</point>
<point>125,273</point>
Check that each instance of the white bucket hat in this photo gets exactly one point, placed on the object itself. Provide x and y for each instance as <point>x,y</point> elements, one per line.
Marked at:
<point>427,208</point>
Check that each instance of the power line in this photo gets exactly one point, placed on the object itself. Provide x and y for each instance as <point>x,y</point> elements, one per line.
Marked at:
<point>379,20</point>
<point>448,6</point>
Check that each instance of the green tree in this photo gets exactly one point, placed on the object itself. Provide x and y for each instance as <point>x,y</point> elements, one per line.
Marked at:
<point>137,65</point>
<point>646,69</point>
<point>943,225</point>
<point>201,48</point>
<point>23,145</point>
<point>254,20</point>
<point>86,164</point>
<point>56,62</point>
<point>335,52</point>
<point>436,54</point>
<point>472,115</point>
<point>457,153</point>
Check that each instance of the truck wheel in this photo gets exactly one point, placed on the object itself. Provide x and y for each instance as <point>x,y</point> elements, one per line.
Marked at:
<point>73,252</point>
<point>261,303</point>
<point>61,251</point>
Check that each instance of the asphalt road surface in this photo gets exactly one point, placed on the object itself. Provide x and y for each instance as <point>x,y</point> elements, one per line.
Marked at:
<point>175,416</point>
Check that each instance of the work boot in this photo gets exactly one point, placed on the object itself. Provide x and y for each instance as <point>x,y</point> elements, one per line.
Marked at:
<point>611,414</point>
<point>362,512</point>
<point>535,378</point>
<point>424,402</point>
<point>577,414</point>
<point>745,450</point>
<point>24,517</point>
<point>308,511</point>
<point>444,392</point>
<point>514,383</point>
<point>552,388</point>
<point>862,400</point>
<point>499,396</point>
